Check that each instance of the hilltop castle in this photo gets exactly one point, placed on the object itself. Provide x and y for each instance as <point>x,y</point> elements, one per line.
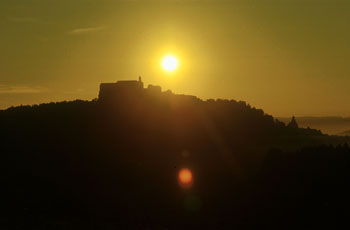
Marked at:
<point>125,88</point>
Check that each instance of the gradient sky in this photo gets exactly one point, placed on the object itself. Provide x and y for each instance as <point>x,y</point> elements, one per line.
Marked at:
<point>284,56</point>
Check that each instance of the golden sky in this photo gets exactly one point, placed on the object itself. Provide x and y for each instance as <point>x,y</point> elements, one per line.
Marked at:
<point>284,56</point>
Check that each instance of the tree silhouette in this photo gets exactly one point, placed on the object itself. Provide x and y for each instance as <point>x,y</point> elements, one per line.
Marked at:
<point>293,123</point>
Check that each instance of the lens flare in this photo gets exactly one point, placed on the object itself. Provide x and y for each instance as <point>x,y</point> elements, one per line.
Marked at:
<point>185,178</point>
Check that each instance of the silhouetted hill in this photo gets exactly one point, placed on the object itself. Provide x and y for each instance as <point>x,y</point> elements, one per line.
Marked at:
<point>113,162</point>
<point>307,187</point>
<point>346,133</point>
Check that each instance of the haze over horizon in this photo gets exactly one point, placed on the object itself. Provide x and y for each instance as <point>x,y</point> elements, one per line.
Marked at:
<point>286,57</point>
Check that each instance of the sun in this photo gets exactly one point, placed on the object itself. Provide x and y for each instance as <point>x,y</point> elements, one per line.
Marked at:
<point>169,63</point>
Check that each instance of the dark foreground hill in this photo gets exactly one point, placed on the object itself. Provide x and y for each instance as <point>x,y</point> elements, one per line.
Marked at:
<point>113,163</point>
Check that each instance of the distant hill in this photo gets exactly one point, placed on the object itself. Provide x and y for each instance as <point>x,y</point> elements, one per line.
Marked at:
<point>113,163</point>
<point>346,133</point>
<point>329,125</point>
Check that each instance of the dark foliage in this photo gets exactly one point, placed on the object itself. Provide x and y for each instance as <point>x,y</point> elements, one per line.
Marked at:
<point>114,163</point>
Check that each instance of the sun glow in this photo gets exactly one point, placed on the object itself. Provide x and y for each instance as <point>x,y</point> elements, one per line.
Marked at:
<point>169,63</point>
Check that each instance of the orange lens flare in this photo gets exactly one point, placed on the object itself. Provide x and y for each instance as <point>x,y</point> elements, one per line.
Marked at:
<point>185,178</point>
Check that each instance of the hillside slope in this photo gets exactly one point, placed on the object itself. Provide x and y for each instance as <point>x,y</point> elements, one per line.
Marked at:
<point>115,162</point>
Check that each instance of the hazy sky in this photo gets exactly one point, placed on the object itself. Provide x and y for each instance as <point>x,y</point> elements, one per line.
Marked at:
<point>284,56</point>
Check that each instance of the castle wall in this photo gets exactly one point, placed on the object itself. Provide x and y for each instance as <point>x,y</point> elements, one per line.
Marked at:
<point>112,91</point>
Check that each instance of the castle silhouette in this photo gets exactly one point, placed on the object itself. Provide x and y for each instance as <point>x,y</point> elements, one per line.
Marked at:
<point>128,88</point>
<point>131,90</point>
